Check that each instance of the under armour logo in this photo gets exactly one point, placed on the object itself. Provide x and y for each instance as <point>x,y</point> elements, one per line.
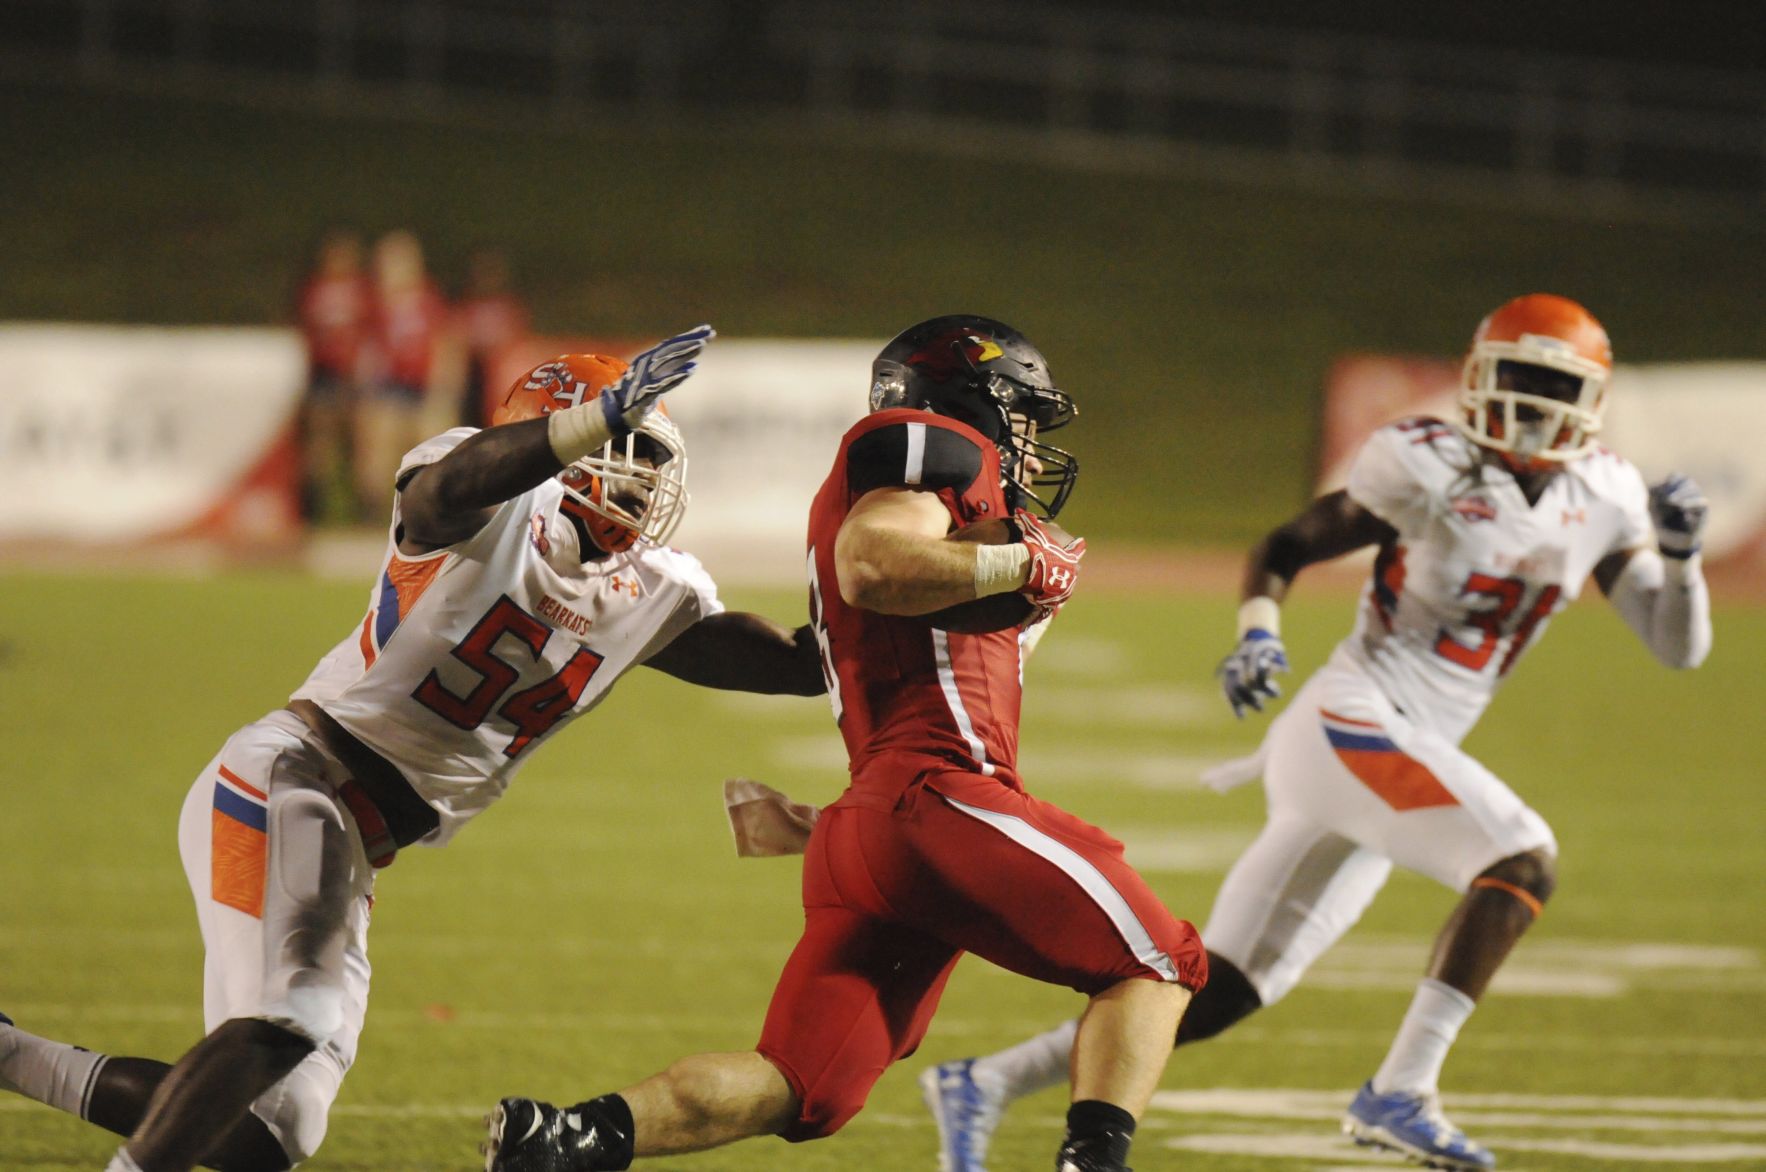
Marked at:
<point>1575,517</point>
<point>1060,578</point>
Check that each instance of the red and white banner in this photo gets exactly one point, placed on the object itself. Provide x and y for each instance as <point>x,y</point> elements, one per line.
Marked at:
<point>118,435</point>
<point>1704,419</point>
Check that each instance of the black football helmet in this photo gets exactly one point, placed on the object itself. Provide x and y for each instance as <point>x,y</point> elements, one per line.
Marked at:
<point>983,373</point>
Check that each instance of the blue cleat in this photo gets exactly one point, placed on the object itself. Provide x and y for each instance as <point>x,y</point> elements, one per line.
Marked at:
<point>1414,1126</point>
<point>966,1113</point>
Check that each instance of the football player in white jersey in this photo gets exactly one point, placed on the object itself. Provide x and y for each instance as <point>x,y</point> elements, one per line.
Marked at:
<point>525,572</point>
<point>1486,526</point>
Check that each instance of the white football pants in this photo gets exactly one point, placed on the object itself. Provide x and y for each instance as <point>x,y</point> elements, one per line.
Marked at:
<point>283,891</point>
<point>1354,786</point>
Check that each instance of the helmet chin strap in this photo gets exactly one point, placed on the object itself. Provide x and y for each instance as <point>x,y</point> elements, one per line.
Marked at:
<point>589,543</point>
<point>609,537</point>
<point>1523,463</point>
<point>1531,474</point>
<point>597,536</point>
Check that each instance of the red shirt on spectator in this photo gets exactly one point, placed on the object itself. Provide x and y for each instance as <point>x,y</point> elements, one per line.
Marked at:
<point>333,312</point>
<point>405,328</point>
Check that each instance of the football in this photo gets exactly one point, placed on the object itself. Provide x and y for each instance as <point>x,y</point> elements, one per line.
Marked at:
<point>996,612</point>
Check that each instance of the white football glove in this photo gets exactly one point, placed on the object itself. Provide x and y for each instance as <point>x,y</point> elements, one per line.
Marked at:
<point>1678,507</point>
<point>1244,675</point>
<point>764,821</point>
<point>651,374</point>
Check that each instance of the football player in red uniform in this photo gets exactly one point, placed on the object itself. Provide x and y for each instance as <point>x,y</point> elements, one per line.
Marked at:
<point>935,849</point>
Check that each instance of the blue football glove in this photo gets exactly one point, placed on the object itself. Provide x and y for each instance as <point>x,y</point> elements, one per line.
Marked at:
<point>1244,675</point>
<point>651,375</point>
<point>1678,507</point>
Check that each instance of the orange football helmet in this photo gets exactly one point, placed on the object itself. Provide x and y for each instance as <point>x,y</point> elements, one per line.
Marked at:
<point>1535,382</point>
<point>635,487</point>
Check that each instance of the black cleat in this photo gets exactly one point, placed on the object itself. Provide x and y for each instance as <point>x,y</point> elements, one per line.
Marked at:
<point>1093,1154</point>
<point>530,1136</point>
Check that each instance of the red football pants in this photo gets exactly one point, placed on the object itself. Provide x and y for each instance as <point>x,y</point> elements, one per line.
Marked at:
<point>894,894</point>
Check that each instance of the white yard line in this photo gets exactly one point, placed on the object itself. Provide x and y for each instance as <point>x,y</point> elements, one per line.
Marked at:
<point>1317,1110</point>
<point>1165,850</point>
<point>1288,1103</point>
<point>1647,1115</point>
<point>1147,706</point>
<point>1334,1150</point>
<point>1047,765</point>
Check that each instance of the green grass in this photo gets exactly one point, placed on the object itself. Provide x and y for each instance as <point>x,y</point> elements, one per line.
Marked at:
<point>596,924</point>
<point>1194,321</point>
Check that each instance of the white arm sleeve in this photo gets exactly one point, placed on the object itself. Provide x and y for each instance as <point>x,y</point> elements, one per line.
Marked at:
<point>1666,602</point>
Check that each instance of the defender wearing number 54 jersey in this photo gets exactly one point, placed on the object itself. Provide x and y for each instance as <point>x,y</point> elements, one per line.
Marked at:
<point>525,571</point>
<point>1486,525</point>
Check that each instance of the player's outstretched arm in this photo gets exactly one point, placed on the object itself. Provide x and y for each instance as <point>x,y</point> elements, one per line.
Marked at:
<point>1661,592</point>
<point>450,500</point>
<point>1330,527</point>
<point>744,652</point>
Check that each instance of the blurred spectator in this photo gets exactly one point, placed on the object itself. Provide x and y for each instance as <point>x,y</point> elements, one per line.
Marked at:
<point>333,312</point>
<point>406,322</point>
<point>489,318</point>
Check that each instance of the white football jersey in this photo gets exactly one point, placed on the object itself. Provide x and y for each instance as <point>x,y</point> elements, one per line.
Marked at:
<point>472,656</point>
<point>1476,572</point>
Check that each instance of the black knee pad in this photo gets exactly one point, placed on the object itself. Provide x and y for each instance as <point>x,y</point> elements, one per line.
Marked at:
<point>1534,872</point>
<point>1226,998</point>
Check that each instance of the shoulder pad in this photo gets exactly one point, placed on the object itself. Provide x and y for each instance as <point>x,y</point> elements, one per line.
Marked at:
<point>1436,436</point>
<point>917,454</point>
<point>430,451</point>
<point>1422,428</point>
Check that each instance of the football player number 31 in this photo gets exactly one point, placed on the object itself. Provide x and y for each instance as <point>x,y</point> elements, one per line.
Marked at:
<point>1504,595</point>
<point>532,710</point>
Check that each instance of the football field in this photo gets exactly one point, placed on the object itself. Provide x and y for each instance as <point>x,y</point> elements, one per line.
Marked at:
<point>597,924</point>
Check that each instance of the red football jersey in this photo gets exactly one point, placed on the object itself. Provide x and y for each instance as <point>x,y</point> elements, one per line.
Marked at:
<point>907,696</point>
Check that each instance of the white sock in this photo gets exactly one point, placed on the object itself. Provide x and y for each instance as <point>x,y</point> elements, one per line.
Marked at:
<point>1029,1066</point>
<point>121,1162</point>
<point>1413,1065</point>
<point>53,1073</point>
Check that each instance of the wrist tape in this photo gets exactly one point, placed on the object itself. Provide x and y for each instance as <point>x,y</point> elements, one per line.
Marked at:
<point>1261,613</point>
<point>1683,567</point>
<point>1000,568</point>
<point>576,431</point>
